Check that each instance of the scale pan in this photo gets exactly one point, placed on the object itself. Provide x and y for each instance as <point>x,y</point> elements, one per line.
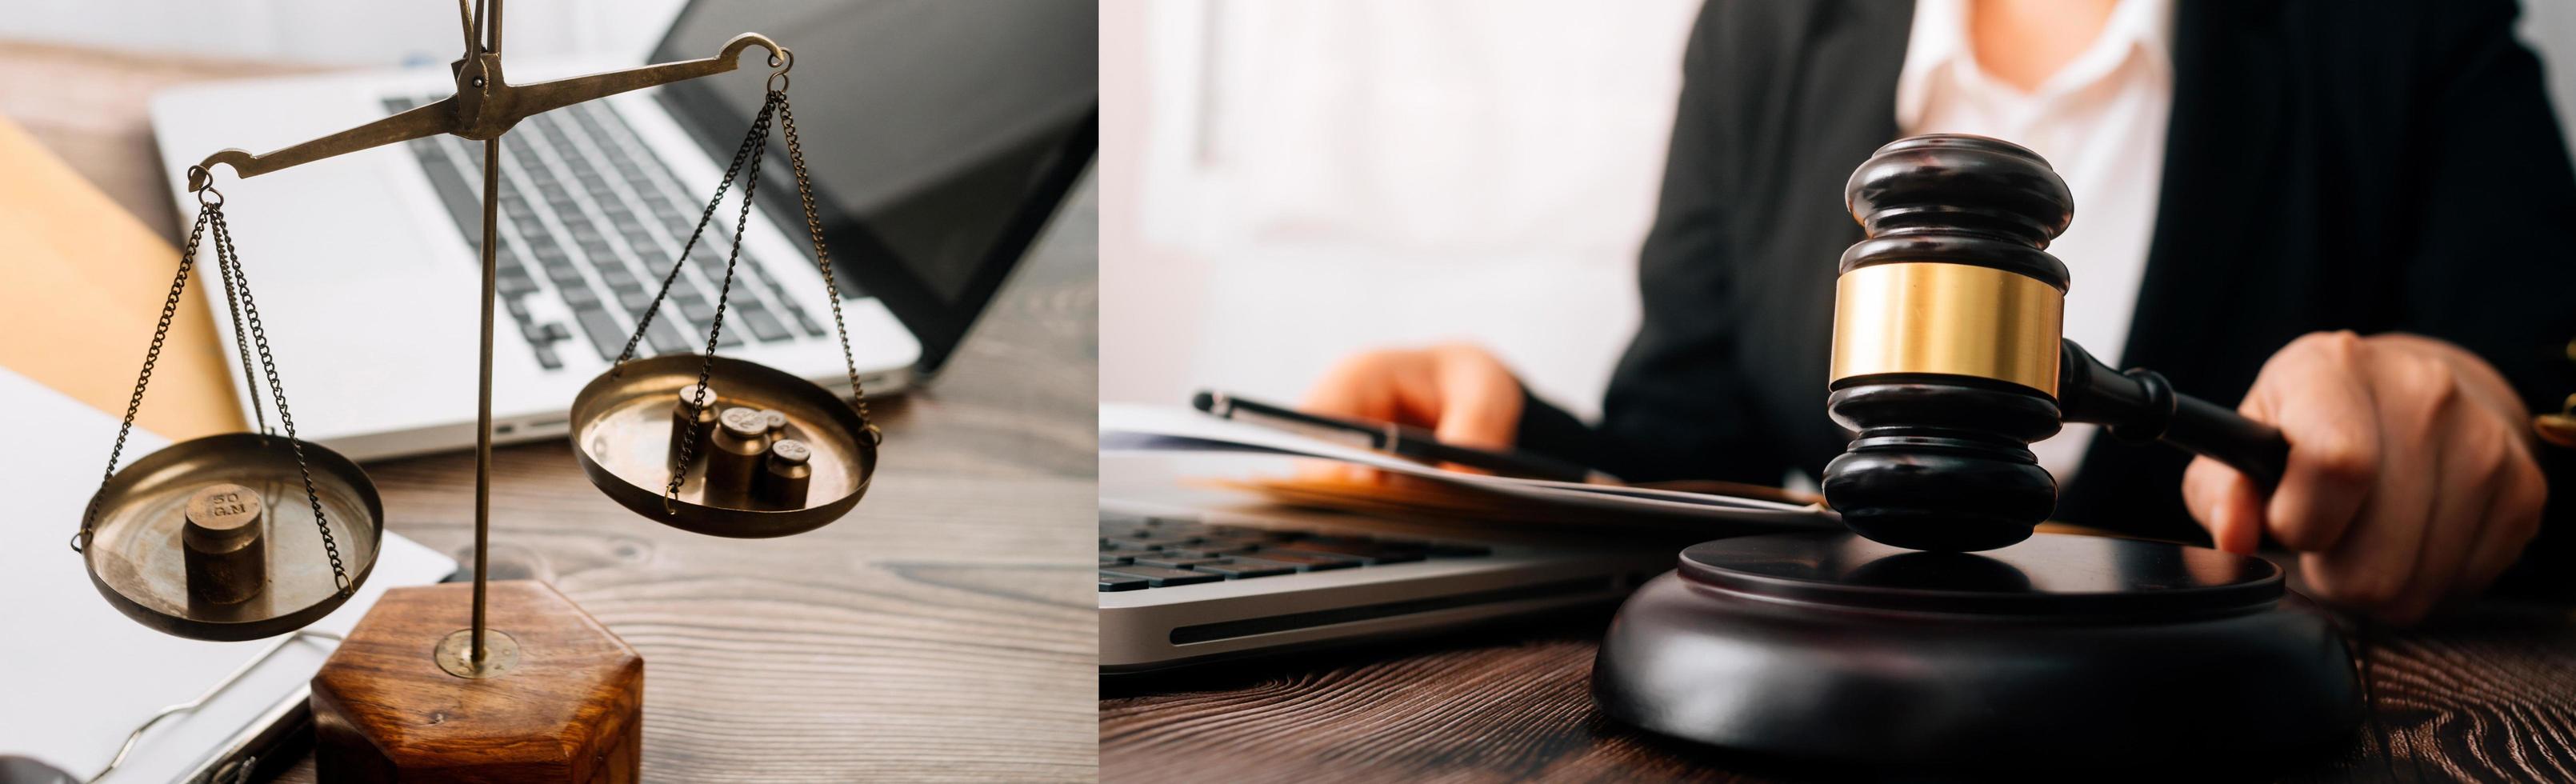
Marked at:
<point>621,425</point>
<point>136,560</point>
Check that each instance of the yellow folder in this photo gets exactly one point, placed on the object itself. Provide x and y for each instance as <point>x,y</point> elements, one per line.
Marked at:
<point>81,286</point>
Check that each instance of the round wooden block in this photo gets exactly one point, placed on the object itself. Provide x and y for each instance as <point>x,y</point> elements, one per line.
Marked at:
<point>2062,649</point>
<point>568,709</point>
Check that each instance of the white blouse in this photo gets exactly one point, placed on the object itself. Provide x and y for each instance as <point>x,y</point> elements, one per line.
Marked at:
<point>2100,120</point>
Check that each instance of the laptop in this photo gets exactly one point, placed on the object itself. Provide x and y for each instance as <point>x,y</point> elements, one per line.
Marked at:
<point>1189,580</point>
<point>941,137</point>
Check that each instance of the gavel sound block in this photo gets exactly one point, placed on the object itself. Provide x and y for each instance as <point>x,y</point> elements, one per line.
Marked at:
<point>1940,630</point>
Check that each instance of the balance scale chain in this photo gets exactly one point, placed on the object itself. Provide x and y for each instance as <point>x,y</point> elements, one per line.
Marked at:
<point>822,255</point>
<point>745,169</point>
<point>754,146</point>
<point>151,357</point>
<point>250,385</point>
<point>245,311</point>
<point>231,262</point>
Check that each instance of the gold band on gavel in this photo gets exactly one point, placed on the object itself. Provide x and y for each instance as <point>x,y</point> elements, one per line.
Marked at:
<point>1956,319</point>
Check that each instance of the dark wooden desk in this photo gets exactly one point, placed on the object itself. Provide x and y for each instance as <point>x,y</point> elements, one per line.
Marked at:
<point>2483,695</point>
<point>942,632</point>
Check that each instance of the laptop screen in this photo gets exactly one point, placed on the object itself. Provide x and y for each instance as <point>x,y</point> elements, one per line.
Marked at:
<point>940,134</point>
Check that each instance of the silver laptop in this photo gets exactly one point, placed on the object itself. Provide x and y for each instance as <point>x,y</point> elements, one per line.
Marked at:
<point>1192,583</point>
<point>941,137</point>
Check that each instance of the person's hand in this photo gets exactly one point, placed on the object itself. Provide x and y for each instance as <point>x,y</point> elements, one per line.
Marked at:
<point>2411,477</point>
<point>1460,392</point>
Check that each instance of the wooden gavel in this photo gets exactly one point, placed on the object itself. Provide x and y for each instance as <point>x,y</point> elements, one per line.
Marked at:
<point>1948,357</point>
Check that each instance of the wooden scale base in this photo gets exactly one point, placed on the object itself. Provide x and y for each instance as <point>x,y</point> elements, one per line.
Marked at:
<point>562,699</point>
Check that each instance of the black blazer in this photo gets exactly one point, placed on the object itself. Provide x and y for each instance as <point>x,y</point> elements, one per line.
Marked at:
<point>2372,166</point>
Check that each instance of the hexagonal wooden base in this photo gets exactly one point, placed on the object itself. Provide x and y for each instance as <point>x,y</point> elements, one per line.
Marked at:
<point>570,710</point>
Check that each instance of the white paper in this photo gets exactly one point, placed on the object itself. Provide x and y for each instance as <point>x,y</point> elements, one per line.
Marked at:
<point>1130,427</point>
<point>76,675</point>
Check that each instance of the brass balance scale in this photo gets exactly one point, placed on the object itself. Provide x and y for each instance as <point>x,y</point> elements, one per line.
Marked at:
<point>206,539</point>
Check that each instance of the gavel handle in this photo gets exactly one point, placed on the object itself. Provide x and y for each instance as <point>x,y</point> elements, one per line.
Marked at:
<point>2254,448</point>
<point>2139,405</point>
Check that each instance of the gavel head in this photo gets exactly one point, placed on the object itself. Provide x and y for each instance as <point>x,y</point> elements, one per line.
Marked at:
<point>1946,344</point>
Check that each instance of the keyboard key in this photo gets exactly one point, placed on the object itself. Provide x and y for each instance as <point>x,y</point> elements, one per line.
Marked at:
<point>694,308</point>
<point>602,329</point>
<point>564,274</point>
<point>464,205</point>
<point>1170,562</point>
<point>621,281</point>
<point>644,244</point>
<point>1239,568</point>
<point>1366,551</point>
<point>666,339</point>
<point>1204,551</point>
<point>804,322</point>
<point>1309,562</point>
<point>580,295</point>
<point>1438,550</point>
<point>1258,534</point>
<point>764,325</point>
<point>1114,560</point>
<point>1160,577</point>
<point>514,281</point>
<point>1119,582</point>
<point>546,356</point>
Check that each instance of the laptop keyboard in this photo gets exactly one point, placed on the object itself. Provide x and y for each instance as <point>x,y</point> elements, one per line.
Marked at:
<point>605,222</point>
<point>1139,552</point>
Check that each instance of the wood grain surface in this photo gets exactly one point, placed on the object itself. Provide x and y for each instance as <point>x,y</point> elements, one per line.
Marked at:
<point>565,705</point>
<point>2485,694</point>
<point>941,632</point>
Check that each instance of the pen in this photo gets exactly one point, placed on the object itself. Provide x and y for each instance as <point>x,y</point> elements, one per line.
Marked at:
<point>1401,440</point>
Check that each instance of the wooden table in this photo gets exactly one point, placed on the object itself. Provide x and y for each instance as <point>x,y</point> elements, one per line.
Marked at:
<point>2484,694</point>
<point>941,632</point>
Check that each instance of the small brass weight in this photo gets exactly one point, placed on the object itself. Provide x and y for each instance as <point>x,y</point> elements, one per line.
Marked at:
<point>222,544</point>
<point>248,535</point>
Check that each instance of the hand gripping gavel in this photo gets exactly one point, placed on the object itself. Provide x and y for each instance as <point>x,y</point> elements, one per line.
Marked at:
<point>1948,358</point>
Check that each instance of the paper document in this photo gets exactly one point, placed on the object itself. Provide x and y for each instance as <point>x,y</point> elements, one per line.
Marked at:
<point>78,675</point>
<point>1130,427</point>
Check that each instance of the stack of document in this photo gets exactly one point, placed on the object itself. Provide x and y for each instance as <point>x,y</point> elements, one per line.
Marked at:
<point>1442,492</point>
